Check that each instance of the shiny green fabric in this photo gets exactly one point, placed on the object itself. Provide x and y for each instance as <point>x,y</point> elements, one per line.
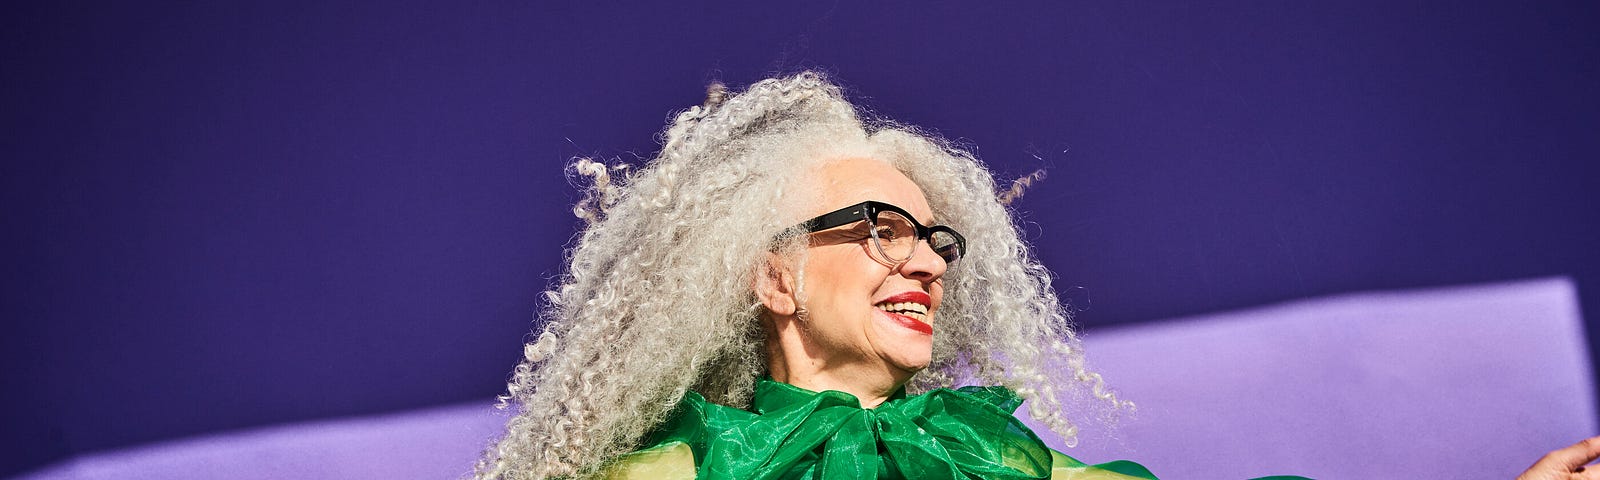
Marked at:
<point>798,434</point>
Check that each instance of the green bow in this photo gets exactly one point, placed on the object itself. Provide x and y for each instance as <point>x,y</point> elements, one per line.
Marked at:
<point>795,434</point>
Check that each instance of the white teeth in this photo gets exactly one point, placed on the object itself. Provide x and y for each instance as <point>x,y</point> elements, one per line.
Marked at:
<point>909,309</point>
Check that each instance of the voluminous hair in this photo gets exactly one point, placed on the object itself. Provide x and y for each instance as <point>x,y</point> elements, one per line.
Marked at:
<point>658,298</point>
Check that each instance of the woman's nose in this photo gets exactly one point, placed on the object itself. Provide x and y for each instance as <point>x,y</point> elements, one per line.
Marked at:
<point>925,264</point>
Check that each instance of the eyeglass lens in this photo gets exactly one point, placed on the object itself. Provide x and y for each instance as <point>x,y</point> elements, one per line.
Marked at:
<point>896,238</point>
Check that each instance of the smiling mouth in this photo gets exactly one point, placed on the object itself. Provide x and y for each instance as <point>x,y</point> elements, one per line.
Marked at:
<point>914,310</point>
<point>911,315</point>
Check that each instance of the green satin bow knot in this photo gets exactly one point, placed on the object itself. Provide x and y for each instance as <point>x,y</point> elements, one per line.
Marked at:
<point>795,433</point>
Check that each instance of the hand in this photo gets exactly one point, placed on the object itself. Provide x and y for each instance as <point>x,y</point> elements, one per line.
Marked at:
<point>1567,463</point>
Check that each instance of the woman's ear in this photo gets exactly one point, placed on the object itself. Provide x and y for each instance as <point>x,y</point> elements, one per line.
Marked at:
<point>775,286</point>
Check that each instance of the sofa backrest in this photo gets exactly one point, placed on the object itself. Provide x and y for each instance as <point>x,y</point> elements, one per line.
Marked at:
<point>1459,383</point>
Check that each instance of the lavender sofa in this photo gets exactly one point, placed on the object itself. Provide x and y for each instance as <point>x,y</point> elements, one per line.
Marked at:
<point>1460,383</point>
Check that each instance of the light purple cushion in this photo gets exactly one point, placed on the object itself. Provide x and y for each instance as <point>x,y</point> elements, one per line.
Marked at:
<point>438,443</point>
<point>1459,383</point>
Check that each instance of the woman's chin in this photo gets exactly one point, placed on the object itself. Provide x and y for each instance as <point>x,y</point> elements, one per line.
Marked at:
<point>903,345</point>
<point>910,360</point>
<point>915,367</point>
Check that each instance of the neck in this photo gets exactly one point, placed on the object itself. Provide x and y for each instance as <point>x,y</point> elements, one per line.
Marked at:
<point>791,360</point>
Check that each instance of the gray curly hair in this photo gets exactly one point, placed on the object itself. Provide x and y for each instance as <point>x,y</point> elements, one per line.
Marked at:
<point>658,297</point>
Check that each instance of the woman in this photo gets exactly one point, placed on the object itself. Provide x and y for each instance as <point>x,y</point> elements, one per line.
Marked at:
<point>700,273</point>
<point>779,246</point>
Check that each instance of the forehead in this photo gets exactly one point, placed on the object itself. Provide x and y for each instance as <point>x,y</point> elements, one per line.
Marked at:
<point>845,182</point>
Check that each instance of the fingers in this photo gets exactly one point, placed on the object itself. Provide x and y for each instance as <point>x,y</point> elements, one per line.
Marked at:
<point>1576,456</point>
<point>1567,463</point>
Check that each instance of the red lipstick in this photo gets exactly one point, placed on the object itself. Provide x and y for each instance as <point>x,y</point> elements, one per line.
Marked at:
<point>911,323</point>
<point>906,321</point>
<point>910,297</point>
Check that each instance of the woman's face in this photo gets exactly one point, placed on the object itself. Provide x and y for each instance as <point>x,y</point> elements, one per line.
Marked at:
<point>863,311</point>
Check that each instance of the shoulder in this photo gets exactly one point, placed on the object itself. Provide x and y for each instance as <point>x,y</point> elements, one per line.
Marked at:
<point>667,461</point>
<point>1064,467</point>
<point>675,448</point>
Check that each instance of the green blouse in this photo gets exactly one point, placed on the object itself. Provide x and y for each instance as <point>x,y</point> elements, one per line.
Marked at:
<point>794,433</point>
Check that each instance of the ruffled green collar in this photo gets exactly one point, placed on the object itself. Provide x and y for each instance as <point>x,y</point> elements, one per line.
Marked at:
<point>793,433</point>
<point>796,433</point>
<point>772,395</point>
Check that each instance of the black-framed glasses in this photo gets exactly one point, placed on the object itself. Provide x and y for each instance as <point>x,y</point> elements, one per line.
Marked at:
<point>893,231</point>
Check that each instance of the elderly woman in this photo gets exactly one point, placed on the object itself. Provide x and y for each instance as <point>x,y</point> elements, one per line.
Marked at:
<point>789,290</point>
<point>778,246</point>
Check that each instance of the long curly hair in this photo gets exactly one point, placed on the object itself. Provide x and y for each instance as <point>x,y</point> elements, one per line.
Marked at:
<point>658,300</point>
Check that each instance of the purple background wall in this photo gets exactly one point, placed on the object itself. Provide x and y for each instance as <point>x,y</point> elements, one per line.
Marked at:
<point>224,216</point>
